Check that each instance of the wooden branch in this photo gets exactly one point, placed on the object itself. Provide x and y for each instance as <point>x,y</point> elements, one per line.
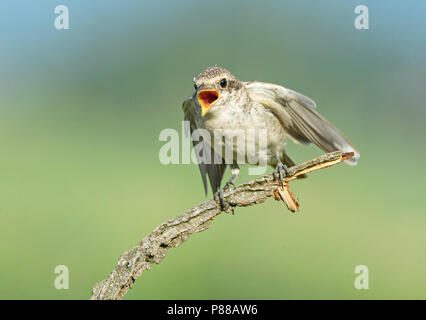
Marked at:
<point>170,234</point>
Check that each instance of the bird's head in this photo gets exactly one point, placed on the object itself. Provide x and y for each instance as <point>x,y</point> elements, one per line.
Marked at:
<point>215,86</point>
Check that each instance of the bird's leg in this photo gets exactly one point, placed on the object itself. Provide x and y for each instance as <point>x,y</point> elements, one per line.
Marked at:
<point>235,171</point>
<point>279,170</point>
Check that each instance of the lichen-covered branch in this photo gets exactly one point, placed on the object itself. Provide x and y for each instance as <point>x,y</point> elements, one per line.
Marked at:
<point>170,234</point>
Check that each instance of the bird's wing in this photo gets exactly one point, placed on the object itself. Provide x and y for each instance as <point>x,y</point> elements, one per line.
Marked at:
<point>210,163</point>
<point>298,116</point>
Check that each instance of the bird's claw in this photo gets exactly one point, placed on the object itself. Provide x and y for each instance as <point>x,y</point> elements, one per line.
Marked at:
<point>224,206</point>
<point>281,171</point>
<point>228,185</point>
<point>219,196</point>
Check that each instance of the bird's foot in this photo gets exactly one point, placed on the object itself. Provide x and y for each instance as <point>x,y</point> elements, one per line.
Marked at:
<point>281,171</point>
<point>218,196</point>
<point>228,185</point>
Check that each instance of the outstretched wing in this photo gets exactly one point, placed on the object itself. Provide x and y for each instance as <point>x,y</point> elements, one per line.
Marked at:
<point>298,116</point>
<point>210,163</point>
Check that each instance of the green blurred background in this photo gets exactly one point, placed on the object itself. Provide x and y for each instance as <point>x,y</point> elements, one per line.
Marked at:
<point>80,179</point>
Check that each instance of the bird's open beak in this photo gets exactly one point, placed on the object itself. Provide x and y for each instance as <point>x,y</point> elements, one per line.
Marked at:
<point>207,98</point>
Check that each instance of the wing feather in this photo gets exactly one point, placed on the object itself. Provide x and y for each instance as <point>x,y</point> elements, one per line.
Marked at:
<point>210,163</point>
<point>298,116</point>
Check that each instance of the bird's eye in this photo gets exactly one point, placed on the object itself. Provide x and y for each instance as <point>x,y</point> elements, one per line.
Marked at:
<point>195,86</point>
<point>223,83</point>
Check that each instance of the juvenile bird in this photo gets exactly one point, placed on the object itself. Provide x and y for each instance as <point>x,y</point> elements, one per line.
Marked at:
<point>222,103</point>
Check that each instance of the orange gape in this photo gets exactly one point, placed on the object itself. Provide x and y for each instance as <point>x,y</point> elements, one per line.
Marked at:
<point>207,97</point>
